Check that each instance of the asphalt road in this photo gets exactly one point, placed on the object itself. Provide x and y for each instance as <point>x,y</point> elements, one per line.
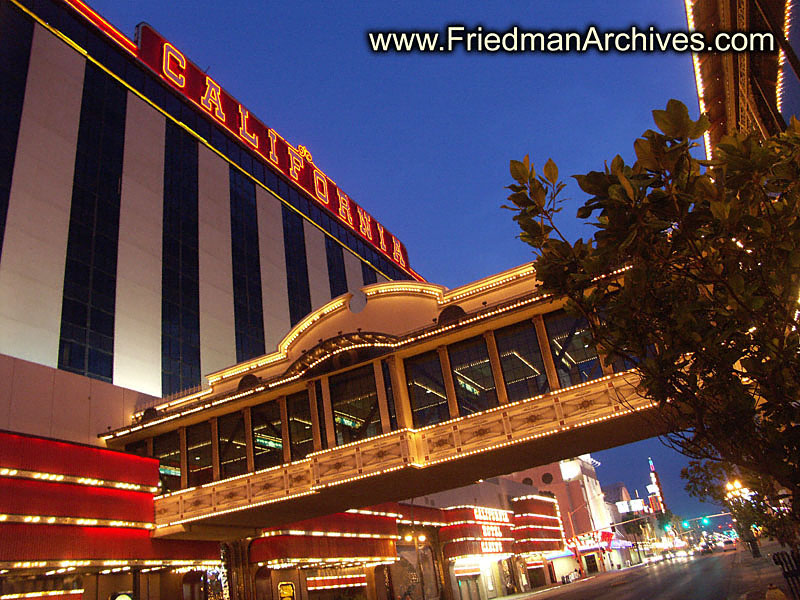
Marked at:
<point>700,577</point>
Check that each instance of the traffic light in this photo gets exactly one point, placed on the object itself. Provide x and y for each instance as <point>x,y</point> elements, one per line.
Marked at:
<point>667,527</point>
<point>706,521</point>
<point>685,524</point>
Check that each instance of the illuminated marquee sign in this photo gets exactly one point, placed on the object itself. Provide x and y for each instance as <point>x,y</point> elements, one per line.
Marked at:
<point>490,514</point>
<point>476,530</point>
<point>593,539</point>
<point>491,547</point>
<point>295,163</point>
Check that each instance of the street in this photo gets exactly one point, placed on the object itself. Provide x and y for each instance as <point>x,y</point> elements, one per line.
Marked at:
<point>699,577</point>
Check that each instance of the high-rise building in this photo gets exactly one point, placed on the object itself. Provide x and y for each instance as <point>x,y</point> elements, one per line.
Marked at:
<point>655,491</point>
<point>152,229</point>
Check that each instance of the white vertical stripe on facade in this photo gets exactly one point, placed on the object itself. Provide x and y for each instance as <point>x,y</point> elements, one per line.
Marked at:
<point>274,288</point>
<point>217,324</point>
<point>318,282</point>
<point>35,242</point>
<point>352,268</point>
<point>137,320</point>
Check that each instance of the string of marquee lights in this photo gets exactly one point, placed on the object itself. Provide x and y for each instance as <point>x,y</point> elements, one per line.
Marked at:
<point>316,562</point>
<point>317,453</point>
<point>80,521</point>
<point>280,382</point>
<point>781,82</point>
<point>336,534</point>
<point>44,594</point>
<point>336,305</point>
<point>74,479</point>
<point>646,404</point>
<point>442,296</point>
<point>121,564</point>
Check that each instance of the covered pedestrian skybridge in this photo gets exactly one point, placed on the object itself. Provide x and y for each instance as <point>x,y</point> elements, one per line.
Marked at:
<point>402,390</point>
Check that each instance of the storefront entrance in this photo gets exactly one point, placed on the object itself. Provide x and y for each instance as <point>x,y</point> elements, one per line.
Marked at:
<point>591,563</point>
<point>536,577</point>
<point>468,588</point>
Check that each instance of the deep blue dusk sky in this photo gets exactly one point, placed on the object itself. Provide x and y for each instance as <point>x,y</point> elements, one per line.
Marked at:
<point>423,141</point>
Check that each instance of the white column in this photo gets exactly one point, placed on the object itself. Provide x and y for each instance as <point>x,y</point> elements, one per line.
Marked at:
<point>37,226</point>
<point>274,288</point>
<point>137,322</point>
<point>317,261</point>
<point>352,268</point>
<point>217,324</point>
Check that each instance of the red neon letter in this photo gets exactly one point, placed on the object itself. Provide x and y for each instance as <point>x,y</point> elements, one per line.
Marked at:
<point>171,55</point>
<point>295,163</point>
<point>273,141</point>
<point>246,135</point>
<point>212,99</point>
<point>364,223</point>
<point>397,255</point>
<point>321,186</point>
<point>380,236</point>
<point>344,208</point>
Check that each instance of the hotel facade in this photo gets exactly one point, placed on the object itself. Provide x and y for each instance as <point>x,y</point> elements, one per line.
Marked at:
<point>152,229</point>
<point>154,232</point>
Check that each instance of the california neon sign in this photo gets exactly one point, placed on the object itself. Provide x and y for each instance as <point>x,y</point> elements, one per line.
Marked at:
<point>295,163</point>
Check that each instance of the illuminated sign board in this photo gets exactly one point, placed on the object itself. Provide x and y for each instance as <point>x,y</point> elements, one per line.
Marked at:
<point>637,504</point>
<point>491,547</point>
<point>491,531</point>
<point>633,505</point>
<point>285,590</point>
<point>490,514</point>
<point>293,162</point>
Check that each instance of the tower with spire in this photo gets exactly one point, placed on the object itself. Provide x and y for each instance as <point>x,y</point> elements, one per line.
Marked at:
<point>654,490</point>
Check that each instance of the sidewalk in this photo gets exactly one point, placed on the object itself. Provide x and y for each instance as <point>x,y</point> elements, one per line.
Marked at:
<point>751,576</point>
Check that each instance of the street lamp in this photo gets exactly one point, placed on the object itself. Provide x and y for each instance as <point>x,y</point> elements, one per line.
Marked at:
<point>737,495</point>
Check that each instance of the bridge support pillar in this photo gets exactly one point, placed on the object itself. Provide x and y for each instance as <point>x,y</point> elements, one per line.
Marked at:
<point>236,556</point>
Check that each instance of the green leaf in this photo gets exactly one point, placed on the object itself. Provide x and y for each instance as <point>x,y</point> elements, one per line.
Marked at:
<point>699,127</point>
<point>594,183</point>
<point>644,154</point>
<point>521,199</point>
<point>675,121</point>
<point>720,209</point>
<point>519,172</point>
<point>551,171</point>
<point>617,164</point>
<point>626,185</point>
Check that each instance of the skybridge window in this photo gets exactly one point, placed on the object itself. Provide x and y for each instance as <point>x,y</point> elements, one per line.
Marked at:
<point>354,400</point>
<point>301,436</point>
<point>198,454</point>
<point>426,390</point>
<point>521,361</point>
<point>167,449</point>
<point>472,376</point>
<point>573,348</point>
<point>267,434</point>
<point>232,445</point>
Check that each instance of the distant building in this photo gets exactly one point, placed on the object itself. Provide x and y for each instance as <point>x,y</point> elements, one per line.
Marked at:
<point>539,557</point>
<point>587,521</point>
<point>655,491</point>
